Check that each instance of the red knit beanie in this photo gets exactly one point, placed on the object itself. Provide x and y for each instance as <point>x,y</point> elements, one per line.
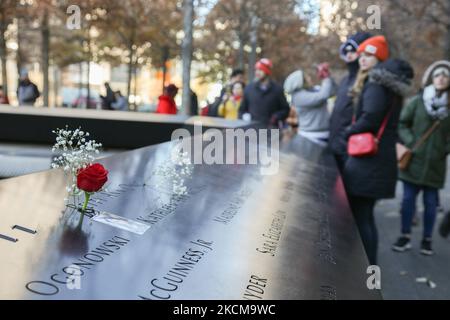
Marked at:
<point>265,65</point>
<point>376,46</point>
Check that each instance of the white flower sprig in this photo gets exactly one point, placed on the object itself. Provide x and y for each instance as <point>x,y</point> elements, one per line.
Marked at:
<point>176,171</point>
<point>75,151</point>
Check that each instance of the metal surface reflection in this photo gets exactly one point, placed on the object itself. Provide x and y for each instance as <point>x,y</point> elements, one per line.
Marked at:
<point>235,235</point>
<point>74,240</point>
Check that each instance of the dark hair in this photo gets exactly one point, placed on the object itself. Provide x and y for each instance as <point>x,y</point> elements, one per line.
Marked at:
<point>171,89</point>
<point>237,82</point>
<point>237,72</point>
<point>1,87</point>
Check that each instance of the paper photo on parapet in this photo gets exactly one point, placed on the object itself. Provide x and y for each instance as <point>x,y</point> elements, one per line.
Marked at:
<point>119,222</point>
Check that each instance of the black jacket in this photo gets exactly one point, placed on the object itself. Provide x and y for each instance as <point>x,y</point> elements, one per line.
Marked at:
<point>265,105</point>
<point>194,104</point>
<point>108,99</point>
<point>342,114</point>
<point>376,176</point>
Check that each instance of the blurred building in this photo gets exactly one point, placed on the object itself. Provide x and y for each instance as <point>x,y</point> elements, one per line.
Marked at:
<point>68,84</point>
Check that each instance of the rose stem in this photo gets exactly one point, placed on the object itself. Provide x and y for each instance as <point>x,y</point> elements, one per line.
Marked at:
<point>87,196</point>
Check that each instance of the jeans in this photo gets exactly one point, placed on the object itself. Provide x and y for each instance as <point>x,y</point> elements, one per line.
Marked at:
<point>363,213</point>
<point>430,202</point>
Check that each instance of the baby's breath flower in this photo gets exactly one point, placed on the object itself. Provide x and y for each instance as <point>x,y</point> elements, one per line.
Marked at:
<point>74,153</point>
<point>176,171</point>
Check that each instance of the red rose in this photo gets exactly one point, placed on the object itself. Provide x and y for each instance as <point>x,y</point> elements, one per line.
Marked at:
<point>92,178</point>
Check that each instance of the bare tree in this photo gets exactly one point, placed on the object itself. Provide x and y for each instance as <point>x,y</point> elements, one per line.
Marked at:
<point>5,20</point>
<point>254,46</point>
<point>411,27</point>
<point>45,33</point>
<point>436,12</point>
<point>186,53</point>
<point>237,32</point>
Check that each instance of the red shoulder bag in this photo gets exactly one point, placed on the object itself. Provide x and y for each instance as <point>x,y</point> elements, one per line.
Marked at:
<point>366,144</point>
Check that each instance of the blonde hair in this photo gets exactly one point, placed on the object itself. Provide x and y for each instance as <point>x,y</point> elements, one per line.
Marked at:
<point>358,86</point>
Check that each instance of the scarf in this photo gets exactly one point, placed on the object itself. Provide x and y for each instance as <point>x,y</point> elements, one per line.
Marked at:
<point>437,107</point>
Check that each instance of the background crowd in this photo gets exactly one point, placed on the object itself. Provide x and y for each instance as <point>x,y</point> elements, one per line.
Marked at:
<point>377,129</point>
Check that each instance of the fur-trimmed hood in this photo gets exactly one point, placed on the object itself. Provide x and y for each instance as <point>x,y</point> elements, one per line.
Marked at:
<point>394,74</point>
<point>427,76</point>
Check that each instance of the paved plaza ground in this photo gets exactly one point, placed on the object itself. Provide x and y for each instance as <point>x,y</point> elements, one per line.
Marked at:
<point>400,271</point>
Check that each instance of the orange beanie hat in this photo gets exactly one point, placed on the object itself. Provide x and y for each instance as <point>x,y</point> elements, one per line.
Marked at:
<point>376,46</point>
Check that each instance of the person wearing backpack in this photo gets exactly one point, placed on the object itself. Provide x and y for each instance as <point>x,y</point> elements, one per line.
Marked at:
<point>425,130</point>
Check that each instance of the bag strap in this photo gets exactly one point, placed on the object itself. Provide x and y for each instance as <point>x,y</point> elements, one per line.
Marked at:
<point>426,135</point>
<point>397,100</point>
<point>383,125</point>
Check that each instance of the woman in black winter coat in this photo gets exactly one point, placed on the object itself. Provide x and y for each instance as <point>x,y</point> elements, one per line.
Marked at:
<point>378,93</point>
